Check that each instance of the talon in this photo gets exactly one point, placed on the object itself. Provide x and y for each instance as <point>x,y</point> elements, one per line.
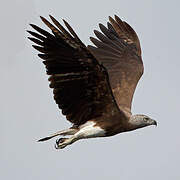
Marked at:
<point>60,143</point>
<point>61,140</point>
<point>56,146</point>
<point>57,141</point>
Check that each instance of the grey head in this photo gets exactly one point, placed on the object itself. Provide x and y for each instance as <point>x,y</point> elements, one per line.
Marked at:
<point>140,120</point>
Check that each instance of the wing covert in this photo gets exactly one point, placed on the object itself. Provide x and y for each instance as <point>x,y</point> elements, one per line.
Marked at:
<point>118,49</point>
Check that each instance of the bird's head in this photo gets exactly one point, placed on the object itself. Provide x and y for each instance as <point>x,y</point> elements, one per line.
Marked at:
<point>140,120</point>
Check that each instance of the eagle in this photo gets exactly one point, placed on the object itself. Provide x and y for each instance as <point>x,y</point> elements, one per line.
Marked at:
<point>92,85</point>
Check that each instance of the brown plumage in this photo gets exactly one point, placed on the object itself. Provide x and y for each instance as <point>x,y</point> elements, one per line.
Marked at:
<point>93,86</point>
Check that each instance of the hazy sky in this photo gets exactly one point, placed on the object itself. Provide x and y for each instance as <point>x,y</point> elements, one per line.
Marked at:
<point>28,111</point>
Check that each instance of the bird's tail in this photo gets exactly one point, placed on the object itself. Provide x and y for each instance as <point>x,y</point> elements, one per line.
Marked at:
<point>70,131</point>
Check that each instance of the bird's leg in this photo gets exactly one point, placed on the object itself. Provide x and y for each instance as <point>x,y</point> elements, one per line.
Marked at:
<point>63,142</point>
<point>88,130</point>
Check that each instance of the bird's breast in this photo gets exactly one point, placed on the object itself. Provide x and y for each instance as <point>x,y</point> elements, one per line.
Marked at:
<point>112,124</point>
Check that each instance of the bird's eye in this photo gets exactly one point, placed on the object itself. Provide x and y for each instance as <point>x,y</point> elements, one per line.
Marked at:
<point>146,118</point>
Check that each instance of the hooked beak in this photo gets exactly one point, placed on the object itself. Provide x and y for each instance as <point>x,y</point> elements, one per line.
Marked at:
<point>154,122</point>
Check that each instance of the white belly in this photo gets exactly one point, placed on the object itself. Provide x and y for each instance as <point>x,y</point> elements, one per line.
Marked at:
<point>90,130</point>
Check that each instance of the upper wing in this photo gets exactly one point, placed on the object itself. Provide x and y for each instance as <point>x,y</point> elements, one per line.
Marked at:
<point>118,49</point>
<point>80,84</point>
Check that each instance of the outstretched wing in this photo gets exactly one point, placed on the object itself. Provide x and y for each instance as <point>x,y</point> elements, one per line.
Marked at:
<point>118,49</point>
<point>80,84</point>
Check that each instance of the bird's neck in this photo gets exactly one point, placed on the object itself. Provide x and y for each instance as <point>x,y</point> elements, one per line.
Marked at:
<point>135,122</point>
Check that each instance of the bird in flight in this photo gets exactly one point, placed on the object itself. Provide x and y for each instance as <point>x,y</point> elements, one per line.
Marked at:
<point>92,85</point>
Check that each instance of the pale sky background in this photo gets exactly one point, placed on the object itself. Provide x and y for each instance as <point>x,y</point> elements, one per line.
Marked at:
<point>28,111</point>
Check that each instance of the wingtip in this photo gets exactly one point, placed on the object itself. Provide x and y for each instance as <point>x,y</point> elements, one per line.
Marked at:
<point>92,39</point>
<point>31,24</point>
<point>28,31</point>
<point>65,22</point>
<point>41,17</point>
<point>53,19</point>
<point>111,19</point>
<point>30,38</point>
<point>100,25</point>
<point>51,16</point>
<point>117,18</point>
<point>95,32</point>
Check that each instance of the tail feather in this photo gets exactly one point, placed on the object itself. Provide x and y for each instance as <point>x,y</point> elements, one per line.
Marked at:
<point>70,131</point>
<point>44,139</point>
